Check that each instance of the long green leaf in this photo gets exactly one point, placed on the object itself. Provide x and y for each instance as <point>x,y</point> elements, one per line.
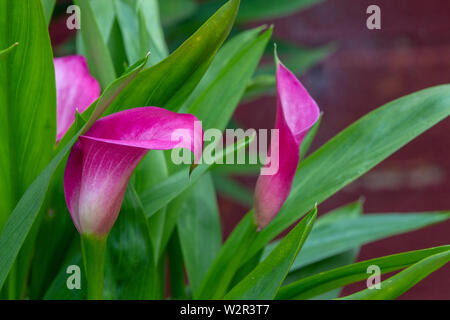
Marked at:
<point>49,6</point>
<point>220,274</point>
<point>323,282</point>
<point>105,14</point>
<point>131,268</point>
<point>58,289</point>
<point>265,280</point>
<point>168,83</point>
<point>23,216</point>
<point>175,10</point>
<point>351,211</point>
<point>97,53</point>
<point>234,190</point>
<point>267,9</point>
<point>199,230</point>
<point>27,100</point>
<point>403,281</point>
<point>151,32</point>
<point>346,234</point>
<point>309,138</point>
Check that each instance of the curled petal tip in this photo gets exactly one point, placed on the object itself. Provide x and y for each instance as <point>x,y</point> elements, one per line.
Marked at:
<point>296,114</point>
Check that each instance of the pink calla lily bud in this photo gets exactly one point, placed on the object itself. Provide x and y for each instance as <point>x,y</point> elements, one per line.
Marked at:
<point>76,89</point>
<point>296,114</point>
<point>102,161</point>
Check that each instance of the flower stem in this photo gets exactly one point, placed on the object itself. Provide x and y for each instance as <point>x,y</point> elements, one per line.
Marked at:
<point>93,248</point>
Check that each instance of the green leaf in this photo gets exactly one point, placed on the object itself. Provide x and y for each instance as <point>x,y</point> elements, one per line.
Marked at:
<point>238,169</point>
<point>172,192</point>
<point>97,53</point>
<point>342,235</point>
<point>168,83</point>
<point>58,289</point>
<point>56,233</point>
<point>306,144</point>
<point>199,230</point>
<point>220,90</point>
<point>151,171</point>
<point>403,281</point>
<point>130,269</point>
<point>327,264</point>
<point>49,6</point>
<point>265,280</point>
<point>175,10</point>
<point>27,100</point>
<point>162,193</point>
<point>323,282</point>
<point>176,269</point>
<point>355,151</point>
<point>234,190</point>
<point>268,9</point>
<point>24,214</point>
<point>350,211</point>
<point>151,32</point>
<point>224,267</point>
<point>297,59</point>
<point>105,15</point>
<point>129,25</point>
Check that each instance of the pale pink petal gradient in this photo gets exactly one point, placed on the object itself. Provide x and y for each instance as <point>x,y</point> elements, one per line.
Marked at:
<point>102,161</point>
<point>296,114</point>
<point>75,89</point>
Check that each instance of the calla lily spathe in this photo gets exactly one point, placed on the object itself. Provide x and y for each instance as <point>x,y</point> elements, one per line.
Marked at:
<point>296,114</point>
<point>101,162</point>
<point>76,89</point>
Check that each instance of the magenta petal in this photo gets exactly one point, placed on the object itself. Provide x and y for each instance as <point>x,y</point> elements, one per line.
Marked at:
<point>75,89</point>
<point>296,114</point>
<point>102,161</point>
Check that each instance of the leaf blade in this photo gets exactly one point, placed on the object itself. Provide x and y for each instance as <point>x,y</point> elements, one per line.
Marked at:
<point>323,282</point>
<point>264,281</point>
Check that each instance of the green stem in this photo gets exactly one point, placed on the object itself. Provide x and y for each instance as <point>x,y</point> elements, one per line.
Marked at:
<point>94,248</point>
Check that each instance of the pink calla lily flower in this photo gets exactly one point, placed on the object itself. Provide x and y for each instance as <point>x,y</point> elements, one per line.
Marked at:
<point>297,112</point>
<point>101,162</point>
<point>75,89</point>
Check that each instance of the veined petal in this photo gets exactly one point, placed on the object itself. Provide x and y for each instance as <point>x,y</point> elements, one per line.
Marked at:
<point>75,89</point>
<point>102,161</point>
<point>296,114</point>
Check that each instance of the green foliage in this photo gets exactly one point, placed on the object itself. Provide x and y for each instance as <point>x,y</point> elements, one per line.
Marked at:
<point>264,281</point>
<point>168,211</point>
<point>325,281</point>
